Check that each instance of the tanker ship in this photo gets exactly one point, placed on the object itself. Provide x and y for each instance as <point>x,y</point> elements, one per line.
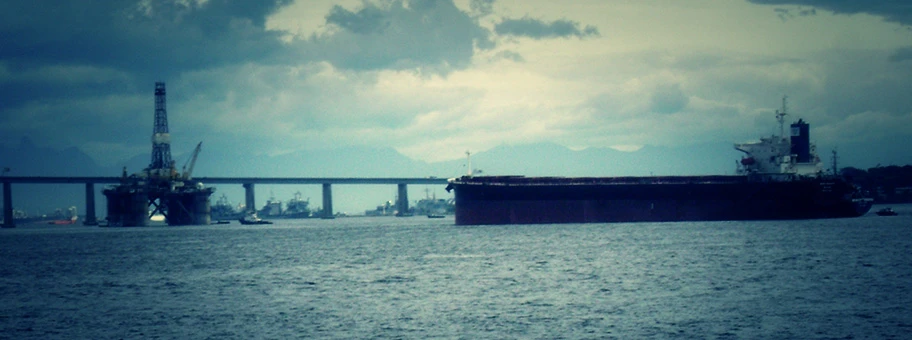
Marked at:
<point>778,178</point>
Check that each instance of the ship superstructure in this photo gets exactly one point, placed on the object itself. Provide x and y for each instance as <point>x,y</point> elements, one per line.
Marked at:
<point>781,157</point>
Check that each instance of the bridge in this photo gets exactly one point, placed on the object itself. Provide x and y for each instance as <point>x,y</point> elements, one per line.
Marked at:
<point>247,182</point>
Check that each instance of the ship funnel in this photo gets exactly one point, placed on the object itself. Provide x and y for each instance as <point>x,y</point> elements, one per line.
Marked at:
<point>801,141</point>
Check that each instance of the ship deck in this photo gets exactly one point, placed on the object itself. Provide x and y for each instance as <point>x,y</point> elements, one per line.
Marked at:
<point>564,181</point>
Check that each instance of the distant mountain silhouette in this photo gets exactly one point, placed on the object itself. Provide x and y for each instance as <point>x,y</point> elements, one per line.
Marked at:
<point>30,160</point>
<point>547,159</point>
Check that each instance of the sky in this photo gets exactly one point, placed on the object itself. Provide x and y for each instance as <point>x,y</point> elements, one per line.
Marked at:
<point>435,78</point>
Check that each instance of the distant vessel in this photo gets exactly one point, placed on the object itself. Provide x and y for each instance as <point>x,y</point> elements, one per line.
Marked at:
<point>272,208</point>
<point>21,216</point>
<point>297,207</point>
<point>434,207</point>
<point>69,217</point>
<point>886,212</point>
<point>385,209</point>
<point>222,210</point>
<point>778,178</point>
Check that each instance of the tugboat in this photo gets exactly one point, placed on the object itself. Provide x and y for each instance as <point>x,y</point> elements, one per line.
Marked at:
<point>886,212</point>
<point>251,218</point>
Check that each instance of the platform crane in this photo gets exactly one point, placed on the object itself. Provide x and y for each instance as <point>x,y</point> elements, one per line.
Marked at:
<point>187,172</point>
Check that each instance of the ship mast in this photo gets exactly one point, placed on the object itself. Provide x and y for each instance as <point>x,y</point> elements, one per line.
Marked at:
<point>469,162</point>
<point>780,117</point>
<point>835,168</point>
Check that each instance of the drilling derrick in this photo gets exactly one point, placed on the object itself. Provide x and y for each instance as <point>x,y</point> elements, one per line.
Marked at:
<point>161,164</point>
<point>160,187</point>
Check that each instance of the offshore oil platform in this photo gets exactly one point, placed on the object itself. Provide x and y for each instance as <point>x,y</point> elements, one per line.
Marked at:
<point>173,194</point>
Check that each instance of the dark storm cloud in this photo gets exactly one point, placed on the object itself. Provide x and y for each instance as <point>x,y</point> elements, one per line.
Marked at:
<point>79,65</point>
<point>167,36</point>
<point>785,13</point>
<point>898,11</point>
<point>902,54</point>
<point>72,49</point>
<point>482,7</point>
<point>431,36</point>
<point>892,10</point>
<point>368,20</point>
<point>538,29</point>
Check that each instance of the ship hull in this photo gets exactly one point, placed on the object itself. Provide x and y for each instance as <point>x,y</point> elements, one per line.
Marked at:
<point>521,200</point>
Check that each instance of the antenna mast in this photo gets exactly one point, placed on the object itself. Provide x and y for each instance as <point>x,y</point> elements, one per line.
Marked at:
<point>469,162</point>
<point>835,167</point>
<point>780,117</point>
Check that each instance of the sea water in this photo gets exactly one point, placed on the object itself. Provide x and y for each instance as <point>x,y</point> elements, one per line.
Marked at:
<point>421,278</point>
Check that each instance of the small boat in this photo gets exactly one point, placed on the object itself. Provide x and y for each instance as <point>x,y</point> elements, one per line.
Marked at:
<point>886,212</point>
<point>72,220</point>
<point>68,217</point>
<point>435,216</point>
<point>253,219</point>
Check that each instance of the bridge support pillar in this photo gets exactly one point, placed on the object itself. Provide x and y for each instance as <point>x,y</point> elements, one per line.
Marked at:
<point>327,202</point>
<point>402,208</point>
<point>90,205</point>
<point>249,199</point>
<point>8,206</point>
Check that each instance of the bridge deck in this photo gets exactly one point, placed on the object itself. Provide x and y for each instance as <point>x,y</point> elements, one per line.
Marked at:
<point>238,180</point>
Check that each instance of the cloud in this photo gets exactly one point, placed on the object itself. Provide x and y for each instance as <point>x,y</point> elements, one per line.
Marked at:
<point>91,66</point>
<point>897,11</point>
<point>432,37</point>
<point>902,54</point>
<point>785,13</point>
<point>482,7</point>
<point>78,50</point>
<point>509,55</point>
<point>434,78</point>
<point>668,98</point>
<point>164,37</point>
<point>539,29</point>
<point>370,19</point>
